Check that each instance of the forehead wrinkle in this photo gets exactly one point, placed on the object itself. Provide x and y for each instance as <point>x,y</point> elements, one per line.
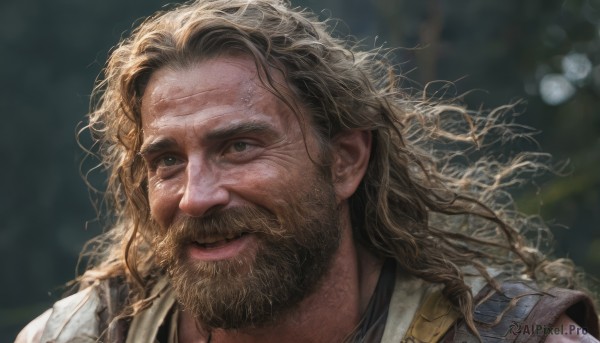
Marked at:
<point>165,103</point>
<point>225,80</point>
<point>247,89</point>
<point>216,117</point>
<point>184,97</point>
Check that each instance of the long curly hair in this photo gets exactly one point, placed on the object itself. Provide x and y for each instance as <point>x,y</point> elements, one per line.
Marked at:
<point>431,198</point>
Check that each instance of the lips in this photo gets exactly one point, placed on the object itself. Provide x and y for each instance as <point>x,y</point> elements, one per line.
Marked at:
<point>218,248</point>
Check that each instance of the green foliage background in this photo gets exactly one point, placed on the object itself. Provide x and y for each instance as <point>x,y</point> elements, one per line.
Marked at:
<point>51,52</point>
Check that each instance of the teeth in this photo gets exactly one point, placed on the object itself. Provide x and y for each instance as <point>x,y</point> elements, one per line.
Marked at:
<point>210,240</point>
<point>213,240</point>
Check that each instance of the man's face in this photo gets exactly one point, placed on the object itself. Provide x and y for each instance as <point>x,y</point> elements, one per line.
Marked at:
<point>247,225</point>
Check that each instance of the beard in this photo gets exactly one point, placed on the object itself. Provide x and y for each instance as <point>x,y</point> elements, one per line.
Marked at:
<point>296,244</point>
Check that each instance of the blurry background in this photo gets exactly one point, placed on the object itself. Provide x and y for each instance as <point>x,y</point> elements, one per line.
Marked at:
<point>545,52</point>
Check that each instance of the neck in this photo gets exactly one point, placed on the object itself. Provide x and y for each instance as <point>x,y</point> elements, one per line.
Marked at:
<point>330,314</point>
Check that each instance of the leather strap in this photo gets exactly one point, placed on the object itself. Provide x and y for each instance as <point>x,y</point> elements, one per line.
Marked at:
<point>497,315</point>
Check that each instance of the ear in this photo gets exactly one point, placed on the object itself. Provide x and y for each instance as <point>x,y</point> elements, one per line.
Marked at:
<point>350,157</point>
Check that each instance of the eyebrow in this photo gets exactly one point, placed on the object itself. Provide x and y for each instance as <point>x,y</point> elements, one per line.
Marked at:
<point>157,146</point>
<point>255,128</point>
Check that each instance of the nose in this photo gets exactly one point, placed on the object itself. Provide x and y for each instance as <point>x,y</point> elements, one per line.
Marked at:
<point>203,191</point>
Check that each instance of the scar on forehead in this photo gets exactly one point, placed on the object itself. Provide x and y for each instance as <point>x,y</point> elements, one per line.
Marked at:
<point>250,90</point>
<point>246,97</point>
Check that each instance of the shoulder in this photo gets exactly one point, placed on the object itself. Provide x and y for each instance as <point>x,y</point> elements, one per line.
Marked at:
<point>520,311</point>
<point>70,319</point>
<point>33,331</point>
<point>512,311</point>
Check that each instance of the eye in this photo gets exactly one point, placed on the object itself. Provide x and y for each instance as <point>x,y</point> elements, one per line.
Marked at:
<point>165,166</point>
<point>167,161</point>
<point>240,150</point>
<point>239,146</point>
<point>164,163</point>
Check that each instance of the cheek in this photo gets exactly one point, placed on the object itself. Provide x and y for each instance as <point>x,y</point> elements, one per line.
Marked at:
<point>163,199</point>
<point>266,185</point>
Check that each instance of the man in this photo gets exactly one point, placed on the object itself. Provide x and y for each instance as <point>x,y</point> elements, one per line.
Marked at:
<point>270,184</point>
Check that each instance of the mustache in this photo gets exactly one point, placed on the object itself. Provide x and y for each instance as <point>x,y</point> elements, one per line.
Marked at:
<point>229,222</point>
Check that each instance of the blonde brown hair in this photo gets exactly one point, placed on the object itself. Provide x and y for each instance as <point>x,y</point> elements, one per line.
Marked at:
<point>427,201</point>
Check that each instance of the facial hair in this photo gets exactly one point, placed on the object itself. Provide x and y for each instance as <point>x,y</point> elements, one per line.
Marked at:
<point>296,244</point>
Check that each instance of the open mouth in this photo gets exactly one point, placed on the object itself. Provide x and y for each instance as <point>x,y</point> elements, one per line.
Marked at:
<point>221,247</point>
<point>215,242</point>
